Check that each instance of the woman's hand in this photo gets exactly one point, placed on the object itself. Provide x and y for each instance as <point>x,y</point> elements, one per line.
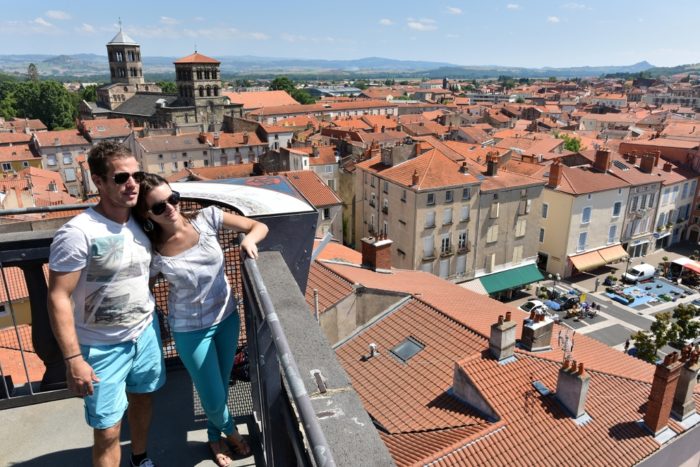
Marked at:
<point>248,245</point>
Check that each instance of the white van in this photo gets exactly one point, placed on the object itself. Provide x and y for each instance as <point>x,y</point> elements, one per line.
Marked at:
<point>639,273</point>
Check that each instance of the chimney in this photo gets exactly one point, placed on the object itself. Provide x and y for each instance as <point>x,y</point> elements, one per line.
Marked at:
<point>463,168</point>
<point>657,156</point>
<point>245,137</point>
<point>572,388</point>
<point>202,137</point>
<point>647,163</point>
<point>668,166</point>
<point>414,178</point>
<point>492,161</point>
<point>683,402</point>
<point>555,172</point>
<point>374,150</point>
<point>537,333</point>
<point>662,390</point>
<point>633,158</point>
<point>314,151</point>
<point>375,128</point>
<point>602,160</point>
<point>376,253</point>
<point>216,139</point>
<point>502,339</point>
<point>419,148</point>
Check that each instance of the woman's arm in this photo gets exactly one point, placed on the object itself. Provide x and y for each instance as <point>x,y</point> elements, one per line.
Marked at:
<point>255,231</point>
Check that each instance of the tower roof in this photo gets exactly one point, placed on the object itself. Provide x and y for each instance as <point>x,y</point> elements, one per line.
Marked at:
<point>122,38</point>
<point>196,58</point>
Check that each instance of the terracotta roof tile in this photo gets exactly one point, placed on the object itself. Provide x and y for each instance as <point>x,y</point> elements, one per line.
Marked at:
<point>195,58</point>
<point>15,138</point>
<point>259,99</point>
<point>313,188</point>
<point>331,287</point>
<point>60,138</point>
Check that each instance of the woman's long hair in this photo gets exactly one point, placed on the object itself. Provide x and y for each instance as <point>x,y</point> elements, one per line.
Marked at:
<point>140,211</point>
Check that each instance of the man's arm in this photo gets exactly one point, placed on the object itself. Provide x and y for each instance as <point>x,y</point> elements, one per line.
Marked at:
<point>79,374</point>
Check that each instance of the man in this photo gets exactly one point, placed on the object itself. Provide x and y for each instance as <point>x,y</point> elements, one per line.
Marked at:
<point>101,309</point>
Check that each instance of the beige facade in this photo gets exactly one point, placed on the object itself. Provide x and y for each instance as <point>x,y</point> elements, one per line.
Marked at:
<point>431,230</point>
<point>506,228</point>
<point>578,224</point>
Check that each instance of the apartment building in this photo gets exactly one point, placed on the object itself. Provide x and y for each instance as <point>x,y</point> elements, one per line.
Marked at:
<point>15,158</point>
<point>678,188</point>
<point>328,111</point>
<point>323,198</point>
<point>62,151</point>
<point>423,200</point>
<point>168,154</point>
<point>582,216</point>
<point>323,160</point>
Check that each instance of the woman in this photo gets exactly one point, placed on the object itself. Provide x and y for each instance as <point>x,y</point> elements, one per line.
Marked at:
<point>201,307</point>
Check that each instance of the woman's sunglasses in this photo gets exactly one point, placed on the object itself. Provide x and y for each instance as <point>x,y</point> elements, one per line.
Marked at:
<point>159,208</point>
<point>121,178</point>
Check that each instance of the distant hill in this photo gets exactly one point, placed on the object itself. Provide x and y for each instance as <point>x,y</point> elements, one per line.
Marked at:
<point>92,65</point>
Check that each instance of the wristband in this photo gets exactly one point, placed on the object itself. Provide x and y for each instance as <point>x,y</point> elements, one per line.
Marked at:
<point>73,356</point>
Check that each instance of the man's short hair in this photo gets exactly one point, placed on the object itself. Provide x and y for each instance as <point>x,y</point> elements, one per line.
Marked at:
<point>103,152</point>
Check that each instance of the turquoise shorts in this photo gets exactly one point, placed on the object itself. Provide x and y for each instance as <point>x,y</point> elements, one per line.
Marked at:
<point>133,366</point>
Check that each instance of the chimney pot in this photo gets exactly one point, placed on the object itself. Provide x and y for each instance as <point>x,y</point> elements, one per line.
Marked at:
<point>602,159</point>
<point>668,166</point>
<point>500,319</point>
<point>508,315</point>
<point>683,402</point>
<point>414,178</point>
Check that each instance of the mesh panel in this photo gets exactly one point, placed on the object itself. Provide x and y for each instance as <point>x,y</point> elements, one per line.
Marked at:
<point>232,266</point>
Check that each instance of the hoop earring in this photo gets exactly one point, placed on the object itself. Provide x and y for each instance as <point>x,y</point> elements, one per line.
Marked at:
<point>148,225</point>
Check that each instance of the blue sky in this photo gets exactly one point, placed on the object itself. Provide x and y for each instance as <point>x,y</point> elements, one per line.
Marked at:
<point>464,32</point>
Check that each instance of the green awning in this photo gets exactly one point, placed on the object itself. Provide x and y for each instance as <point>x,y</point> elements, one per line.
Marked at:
<point>511,278</point>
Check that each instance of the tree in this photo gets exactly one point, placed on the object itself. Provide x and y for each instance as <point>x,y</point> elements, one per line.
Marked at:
<point>32,72</point>
<point>89,93</point>
<point>685,328</point>
<point>571,143</point>
<point>302,96</point>
<point>282,83</point>
<point>389,82</point>
<point>552,79</point>
<point>520,100</point>
<point>661,329</point>
<point>646,350</point>
<point>168,87</point>
<point>48,101</point>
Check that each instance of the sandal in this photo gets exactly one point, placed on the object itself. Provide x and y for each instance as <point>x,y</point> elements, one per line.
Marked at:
<point>221,455</point>
<point>239,444</point>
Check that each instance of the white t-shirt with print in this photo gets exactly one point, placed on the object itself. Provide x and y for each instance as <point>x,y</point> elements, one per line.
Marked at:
<point>112,302</point>
<point>199,295</point>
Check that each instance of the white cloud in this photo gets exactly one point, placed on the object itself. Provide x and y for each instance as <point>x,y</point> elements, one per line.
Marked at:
<point>386,22</point>
<point>42,22</point>
<point>454,10</point>
<point>552,19</point>
<point>57,14</point>
<point>168,20</point>
<point>513,6</point>
<point>259,36</point>
<point>87,28</point>
<point>574,6</point>
<point>423,24</point>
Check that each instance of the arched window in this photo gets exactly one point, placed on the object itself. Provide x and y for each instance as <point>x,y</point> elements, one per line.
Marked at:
<point>201,91</point>
<point>208,91</point>
<point>216,90</point>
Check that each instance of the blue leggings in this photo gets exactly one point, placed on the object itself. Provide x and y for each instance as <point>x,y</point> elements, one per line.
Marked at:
<point>208,356</point>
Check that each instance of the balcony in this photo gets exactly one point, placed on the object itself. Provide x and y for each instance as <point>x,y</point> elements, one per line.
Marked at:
<point>299,407</point>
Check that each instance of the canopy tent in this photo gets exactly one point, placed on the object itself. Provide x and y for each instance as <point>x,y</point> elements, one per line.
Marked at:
<point>511,278</point>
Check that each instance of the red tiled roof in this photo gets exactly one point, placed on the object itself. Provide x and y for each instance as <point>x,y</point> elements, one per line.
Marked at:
<point>337,252</point>
<point>60,138</point>
<point>19,152</point>
<point>331,287</point>
<point>196,58</point>
<point>232,140</point>
<point>213,173</point>
<point>434,168</point>
<point>14,138</point>
<point>312,188</point>
<point>260,99</point>
<point>326,154</point>
<point>106,128</point>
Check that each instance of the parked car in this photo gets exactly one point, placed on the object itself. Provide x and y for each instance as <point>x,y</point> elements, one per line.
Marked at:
<point>534,305</point>
<point>638,273</point>
<point>563,302</point>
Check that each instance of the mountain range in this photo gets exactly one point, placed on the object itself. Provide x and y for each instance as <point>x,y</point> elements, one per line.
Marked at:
<point>92,65</point>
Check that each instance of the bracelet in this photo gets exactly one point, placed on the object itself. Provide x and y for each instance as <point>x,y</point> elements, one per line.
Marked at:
<point>73,356</point>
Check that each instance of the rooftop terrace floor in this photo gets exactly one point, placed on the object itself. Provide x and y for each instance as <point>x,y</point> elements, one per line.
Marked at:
<point>55,433</point>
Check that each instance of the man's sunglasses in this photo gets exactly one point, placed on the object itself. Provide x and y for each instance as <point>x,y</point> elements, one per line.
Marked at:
<point>121,178</point>
<point>159,208</point>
